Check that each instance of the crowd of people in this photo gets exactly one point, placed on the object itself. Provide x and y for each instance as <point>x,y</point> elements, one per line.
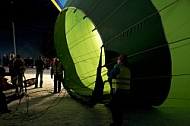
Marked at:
<point>17,67</point>
<point>16,71</point>
<point>119,78</point>
<point>29,61</point>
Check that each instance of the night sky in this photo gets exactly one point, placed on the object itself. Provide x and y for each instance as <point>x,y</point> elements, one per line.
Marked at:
<point>33,19</point>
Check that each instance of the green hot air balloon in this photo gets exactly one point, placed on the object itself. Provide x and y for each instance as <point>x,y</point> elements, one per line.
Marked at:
<point>154,34</point>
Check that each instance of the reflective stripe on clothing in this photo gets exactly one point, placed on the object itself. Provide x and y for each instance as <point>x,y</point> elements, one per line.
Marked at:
<point>122,80</point>
<point>122,83</point>
<point>57,69</point>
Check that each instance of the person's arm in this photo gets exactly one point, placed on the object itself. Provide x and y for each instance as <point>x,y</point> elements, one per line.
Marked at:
<point>114,72</point>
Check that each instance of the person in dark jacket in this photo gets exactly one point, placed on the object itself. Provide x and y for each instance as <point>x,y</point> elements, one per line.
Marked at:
<point>120,77</point>
<point>40,66</point>
<point>57,71</point>
<point>18,71</point>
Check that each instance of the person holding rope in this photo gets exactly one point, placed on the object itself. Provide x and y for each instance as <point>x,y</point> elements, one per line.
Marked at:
<point>119,78</point>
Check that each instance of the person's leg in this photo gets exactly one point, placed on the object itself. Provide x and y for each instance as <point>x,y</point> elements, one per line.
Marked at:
<point>116,111</point>
<point>55,83</point>
<point>14,79</point>
<point>41,78</point>
<point>15,82</point>
<point>19,85</point>
<point>37,75</point>
<point>20,79</point>
<point>59,83</point>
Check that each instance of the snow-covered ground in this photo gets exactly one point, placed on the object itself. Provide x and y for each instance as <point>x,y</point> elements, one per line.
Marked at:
<point>43,108</point>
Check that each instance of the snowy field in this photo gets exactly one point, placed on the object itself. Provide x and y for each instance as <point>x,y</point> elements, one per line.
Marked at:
<point>43,108</point>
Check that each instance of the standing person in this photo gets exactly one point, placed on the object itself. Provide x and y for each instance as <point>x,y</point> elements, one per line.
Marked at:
<point>120,77</point>
<point>11,66</point>
<point>40,66</point>
<point>11,61</point>
<point>57,71</point>
<point>18,70</point>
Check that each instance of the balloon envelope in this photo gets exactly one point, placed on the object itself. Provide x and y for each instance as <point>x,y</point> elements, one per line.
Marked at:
<point>154,34</point>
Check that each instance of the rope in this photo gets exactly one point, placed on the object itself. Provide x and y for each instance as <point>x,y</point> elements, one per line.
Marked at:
<point>27,116</point>
<point>39,114</point>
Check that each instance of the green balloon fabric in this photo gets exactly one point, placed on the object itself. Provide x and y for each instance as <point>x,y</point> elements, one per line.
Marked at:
<point>153,34</point>
<point>176,27</point>
<point>79,50</point>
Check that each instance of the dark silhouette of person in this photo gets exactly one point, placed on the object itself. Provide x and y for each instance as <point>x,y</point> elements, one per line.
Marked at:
<point>11,66</point>
<point>40,66</point>
<point>18,71</point>
<point>120,77</point>
<point>57,71</point>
